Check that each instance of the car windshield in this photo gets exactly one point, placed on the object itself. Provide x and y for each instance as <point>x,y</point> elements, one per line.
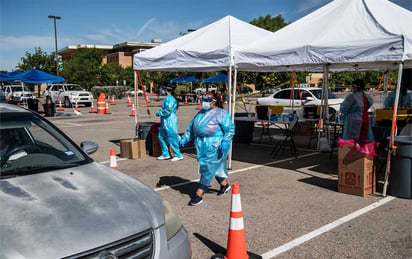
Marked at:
<point>19,88</point>
<point>31,145</point>
<point>74,88</point>
<point>318,94</point>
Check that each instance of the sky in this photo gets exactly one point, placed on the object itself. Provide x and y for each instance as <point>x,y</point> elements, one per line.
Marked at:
<point>24,24</point>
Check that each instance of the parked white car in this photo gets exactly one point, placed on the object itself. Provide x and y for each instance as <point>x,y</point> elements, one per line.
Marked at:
<point>132,93</point>
<point>69,94</point>
<point>311,96</point>
<point>202,90</point>
<point>17,93</point>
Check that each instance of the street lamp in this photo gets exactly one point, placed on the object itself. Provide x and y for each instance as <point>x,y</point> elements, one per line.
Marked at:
<point>54,17</point>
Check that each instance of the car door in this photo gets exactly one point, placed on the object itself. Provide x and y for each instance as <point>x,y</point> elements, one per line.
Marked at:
<point>55,91</point>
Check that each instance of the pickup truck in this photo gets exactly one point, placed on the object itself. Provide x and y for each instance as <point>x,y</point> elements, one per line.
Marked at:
<point>69,94</point>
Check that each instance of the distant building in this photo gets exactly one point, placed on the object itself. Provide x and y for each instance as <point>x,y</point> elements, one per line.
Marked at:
<point>121,53</point>
<point>315,79</point>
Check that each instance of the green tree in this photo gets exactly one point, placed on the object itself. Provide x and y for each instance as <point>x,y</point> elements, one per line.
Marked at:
<point>110,74</point>
<point>39,60</point>
<point>84,67</point>
<point>270,23</point>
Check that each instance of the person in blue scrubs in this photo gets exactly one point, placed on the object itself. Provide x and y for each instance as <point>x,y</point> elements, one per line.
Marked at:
<point>212,130</point>
<point>354,109</point>
<point>168,131</point>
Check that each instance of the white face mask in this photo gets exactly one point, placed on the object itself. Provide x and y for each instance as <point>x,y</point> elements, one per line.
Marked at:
<point>205,106</point>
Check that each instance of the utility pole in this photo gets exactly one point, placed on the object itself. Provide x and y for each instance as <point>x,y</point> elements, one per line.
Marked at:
<point>54,17</point>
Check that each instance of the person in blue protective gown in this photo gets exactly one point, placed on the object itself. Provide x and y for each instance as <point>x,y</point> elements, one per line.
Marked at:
<point>168,131</point>
<point>354,109</point>
<point>212,130</point>
<point>405,98</point>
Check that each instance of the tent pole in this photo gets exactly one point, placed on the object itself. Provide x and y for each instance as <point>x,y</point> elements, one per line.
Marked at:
<point>229,166</point>
<point>136,101</point>
<point>391,145</point>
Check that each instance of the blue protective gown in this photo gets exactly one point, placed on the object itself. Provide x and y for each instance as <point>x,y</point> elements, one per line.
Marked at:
<point>168,132</point>
<point>352,109</point>
<point>404,100</point>
<point>209,129</point>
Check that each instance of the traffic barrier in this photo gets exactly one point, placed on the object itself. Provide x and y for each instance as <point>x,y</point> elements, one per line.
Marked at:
<point>113,103</point>
<point>101,103</point>
<point>133,111</point>
<point>92,108</point>
<point>113,161</point>
<point>60,105</point>
<point>129,102</point>
<point>107,111</point>
<point>236,243</point>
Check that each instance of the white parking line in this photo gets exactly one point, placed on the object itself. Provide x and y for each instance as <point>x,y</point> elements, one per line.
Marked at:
<point>302,239</point>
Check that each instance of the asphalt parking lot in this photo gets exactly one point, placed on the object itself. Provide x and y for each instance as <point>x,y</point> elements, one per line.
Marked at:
<point>291,207</point>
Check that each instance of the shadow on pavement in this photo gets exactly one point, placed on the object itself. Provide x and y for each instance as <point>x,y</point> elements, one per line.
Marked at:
<point>219,250</point>
<point>182,185</point>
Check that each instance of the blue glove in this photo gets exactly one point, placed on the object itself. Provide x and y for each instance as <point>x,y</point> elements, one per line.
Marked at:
<point>225,147</point>
<point>182,142</point>
<point>158,113</point>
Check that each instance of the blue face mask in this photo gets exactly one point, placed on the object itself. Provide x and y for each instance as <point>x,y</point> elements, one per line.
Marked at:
<point>205,106</point>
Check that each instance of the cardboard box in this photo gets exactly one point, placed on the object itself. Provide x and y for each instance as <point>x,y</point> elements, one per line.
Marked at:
<point>133,148</point>
<point>355,172</point>
<point>157,151</point>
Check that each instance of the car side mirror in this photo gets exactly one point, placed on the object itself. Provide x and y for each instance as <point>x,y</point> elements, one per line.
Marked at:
<point>89,147</point>
<point>309,98</point>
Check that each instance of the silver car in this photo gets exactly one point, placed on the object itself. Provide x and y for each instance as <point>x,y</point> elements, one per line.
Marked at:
<point>56,202</point>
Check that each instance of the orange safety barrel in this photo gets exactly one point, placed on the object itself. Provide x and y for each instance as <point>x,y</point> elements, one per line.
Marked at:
<point>101,103</point>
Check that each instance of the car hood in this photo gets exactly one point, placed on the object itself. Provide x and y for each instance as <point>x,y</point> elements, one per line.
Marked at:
<point>64,212</point>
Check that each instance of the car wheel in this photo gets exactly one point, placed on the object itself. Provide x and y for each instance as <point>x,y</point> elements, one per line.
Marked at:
<point>67,102</point>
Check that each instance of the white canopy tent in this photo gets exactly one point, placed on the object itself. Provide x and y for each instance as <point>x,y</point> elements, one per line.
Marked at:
<point>344,35</point>
<point>210,48</point>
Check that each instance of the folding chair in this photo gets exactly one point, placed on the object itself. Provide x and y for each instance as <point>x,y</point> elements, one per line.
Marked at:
<point>286,139</point>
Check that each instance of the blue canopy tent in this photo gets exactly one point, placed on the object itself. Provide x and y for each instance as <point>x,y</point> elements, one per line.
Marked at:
<point>10,76</point>
<point>216,79</point>
<point>185,79</point>
<point>34,76</point>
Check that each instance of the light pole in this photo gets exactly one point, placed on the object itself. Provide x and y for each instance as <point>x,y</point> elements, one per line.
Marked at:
<point>54,17</point>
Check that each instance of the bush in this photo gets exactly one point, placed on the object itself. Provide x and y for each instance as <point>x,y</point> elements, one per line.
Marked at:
<point>117,91</point>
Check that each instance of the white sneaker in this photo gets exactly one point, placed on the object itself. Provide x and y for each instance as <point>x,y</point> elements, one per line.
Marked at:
<point>163,158</point>
<point>174,159</point>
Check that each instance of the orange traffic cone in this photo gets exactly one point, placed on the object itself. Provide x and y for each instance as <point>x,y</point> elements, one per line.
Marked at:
<point>60,105</point>
<point>107,111</point>
<point>113,162</point>
<point>129,102</point>
<point>236,243</point>
<point>92,108</point>
<point>185,99</point>
<point>146,100</point>
<point>199,106</point>
<point>76,106</point>
<point>133,111</point>
<point>113,101</point>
